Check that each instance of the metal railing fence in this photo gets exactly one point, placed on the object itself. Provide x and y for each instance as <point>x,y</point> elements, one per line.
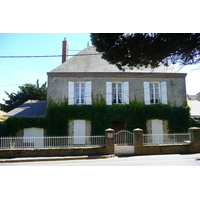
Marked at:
<point>124,138</point>
<point>51,142</point>
<point>172,138</point>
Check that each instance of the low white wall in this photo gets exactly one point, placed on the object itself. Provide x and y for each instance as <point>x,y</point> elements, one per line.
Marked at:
<point>119,150</point>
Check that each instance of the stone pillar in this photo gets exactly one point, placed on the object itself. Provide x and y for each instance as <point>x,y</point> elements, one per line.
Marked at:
<point>195,137</point>
<point>138,143</point>
<point>110,140</point>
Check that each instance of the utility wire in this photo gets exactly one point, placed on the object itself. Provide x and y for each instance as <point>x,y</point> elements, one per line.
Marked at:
<point>47,56</point>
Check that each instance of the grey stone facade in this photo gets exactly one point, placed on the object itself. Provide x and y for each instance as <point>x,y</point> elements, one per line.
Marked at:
<point>176,90</point>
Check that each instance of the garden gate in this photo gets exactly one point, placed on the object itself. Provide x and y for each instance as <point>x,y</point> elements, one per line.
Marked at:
<point>124,142</point>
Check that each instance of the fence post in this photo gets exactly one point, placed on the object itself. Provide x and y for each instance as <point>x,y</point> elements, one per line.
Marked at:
<point>138,143</point>
<point>195,137</point>
<point>110,140</point>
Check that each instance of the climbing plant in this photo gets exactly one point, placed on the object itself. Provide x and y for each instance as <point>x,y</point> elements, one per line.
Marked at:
<point>101,116</point>
<point>14,124</point>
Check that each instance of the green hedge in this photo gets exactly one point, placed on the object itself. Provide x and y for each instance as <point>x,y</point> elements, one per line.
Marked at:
<point>3,129</point>
<point>101,116</point>
<point>14,124</point>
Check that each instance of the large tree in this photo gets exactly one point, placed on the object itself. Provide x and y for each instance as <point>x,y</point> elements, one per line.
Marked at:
<point>27,92</point>
<point>148,49</point>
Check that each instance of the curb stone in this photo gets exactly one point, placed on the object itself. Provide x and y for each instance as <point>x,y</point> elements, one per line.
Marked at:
<point>53,158</point>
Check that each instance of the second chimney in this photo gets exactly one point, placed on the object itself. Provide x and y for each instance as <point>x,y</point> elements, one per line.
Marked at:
<point>64,50</point>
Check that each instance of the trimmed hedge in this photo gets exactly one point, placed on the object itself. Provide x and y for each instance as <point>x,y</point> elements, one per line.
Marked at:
<point>3,129</point>
<point>135,115</point>
<point>14,124</point>
<point>101,116</point>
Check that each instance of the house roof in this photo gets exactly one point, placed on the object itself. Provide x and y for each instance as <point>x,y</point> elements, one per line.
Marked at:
<point>89,60</point>
<point>195,108</point>
<point>31,108</point>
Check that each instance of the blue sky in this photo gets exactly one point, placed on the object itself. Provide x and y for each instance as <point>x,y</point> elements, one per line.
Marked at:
<point>18,71</point>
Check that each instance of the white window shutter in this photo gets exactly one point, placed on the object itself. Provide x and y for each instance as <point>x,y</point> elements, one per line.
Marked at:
<point>88,92</point>
<point>70,93</point>
<point>108,93</point>
<point>126,92</point>
<point>164,92</point>
<point>146,93</point>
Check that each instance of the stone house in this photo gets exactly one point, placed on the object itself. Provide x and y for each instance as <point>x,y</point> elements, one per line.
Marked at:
<point>86,77</point>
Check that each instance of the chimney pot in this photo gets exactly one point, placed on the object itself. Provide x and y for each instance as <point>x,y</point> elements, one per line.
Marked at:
<point>64,50</point>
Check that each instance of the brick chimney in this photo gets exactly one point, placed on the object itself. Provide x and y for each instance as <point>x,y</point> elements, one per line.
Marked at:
<point>64,50</point>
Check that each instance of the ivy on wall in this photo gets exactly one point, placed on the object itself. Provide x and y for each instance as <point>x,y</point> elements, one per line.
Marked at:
<point>101,116</point>
<point>3,129</point>
<point>135,115</point>
<point>14,124</point>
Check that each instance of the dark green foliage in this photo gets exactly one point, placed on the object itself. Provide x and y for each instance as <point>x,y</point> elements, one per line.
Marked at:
<point>3,129</point>
<point>135,115</point>
<point>101,116</point>
<point>179,119</point>
<point>27,92</point>
<point>16,123</point>
<point>148,49</point>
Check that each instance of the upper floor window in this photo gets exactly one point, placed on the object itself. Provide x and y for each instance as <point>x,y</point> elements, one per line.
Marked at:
<point>117,93</point>
<point>79,93</point>
<point>155,92</point>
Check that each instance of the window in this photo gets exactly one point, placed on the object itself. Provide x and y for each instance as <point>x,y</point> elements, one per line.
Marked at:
<point>116,93</point>
<point>155,92</point>
<point>157,131</point>
<point>79,93</point>
<point>79,131</point>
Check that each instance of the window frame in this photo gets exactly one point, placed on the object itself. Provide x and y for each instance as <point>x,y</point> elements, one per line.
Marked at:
<point>79,98</point>
<point>117,93</point>
<point>155,100</point>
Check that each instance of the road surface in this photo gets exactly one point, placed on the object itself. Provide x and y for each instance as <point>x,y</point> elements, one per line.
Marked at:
<point>147,160</point>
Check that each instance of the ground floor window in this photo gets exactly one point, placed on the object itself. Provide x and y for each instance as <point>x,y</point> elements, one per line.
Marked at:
<point>157,131</point>
<point>33,137</point>
<point>79,129</point>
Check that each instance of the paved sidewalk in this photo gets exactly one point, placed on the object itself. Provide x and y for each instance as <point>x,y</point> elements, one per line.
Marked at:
<point>34,159</point>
